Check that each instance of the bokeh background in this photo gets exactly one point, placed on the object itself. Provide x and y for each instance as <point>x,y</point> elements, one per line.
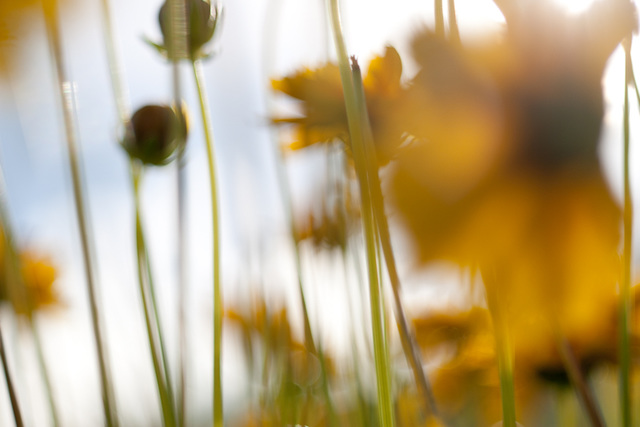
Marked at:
<point>258,39</point>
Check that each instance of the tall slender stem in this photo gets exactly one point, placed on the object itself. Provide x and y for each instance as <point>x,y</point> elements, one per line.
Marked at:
<point>12,391</point>
<point>53,408</point>
<point>407,335</point>
<point>115,69</point>
<point>217,291</point>
<point>271,21</point>
<point>625,288</point>
<point>18,292</point>
<point>162,377</point>
<point>504,349</point>
<point>68,109</point>
<point>356,113</point>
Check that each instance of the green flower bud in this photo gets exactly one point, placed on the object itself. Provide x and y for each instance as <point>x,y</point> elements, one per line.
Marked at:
<point>154,134</point>
<point>202,19</point>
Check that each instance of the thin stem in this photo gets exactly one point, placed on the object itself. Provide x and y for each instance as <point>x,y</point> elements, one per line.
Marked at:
<point>217,291</point>
<point>439,15</point>
<point>115,69</point>
<point>183,284</point>
<point>179,48</point>
<point>271,21</point>
<point>579,383</point>
<point>68,108</point>
<point>355,115</point>
<point>407,335</point>
<point>625,287</point>
<point>10,387</point>
<point>504,351</point>
<point>165,402</point>
<point>454,32</point>
<point>17,291</point>
<point>156,315</point>
<point>55,418</point>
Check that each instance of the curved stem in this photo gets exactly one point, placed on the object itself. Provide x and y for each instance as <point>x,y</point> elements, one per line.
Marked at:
<point>217,291</point>
<point>166,402</point>
<point>68,110</point>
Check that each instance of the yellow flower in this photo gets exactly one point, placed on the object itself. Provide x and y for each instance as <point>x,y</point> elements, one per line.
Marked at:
<point>323,116</point>
<point>503,174</point>
<point>39,278</point>
<point>466,383</point>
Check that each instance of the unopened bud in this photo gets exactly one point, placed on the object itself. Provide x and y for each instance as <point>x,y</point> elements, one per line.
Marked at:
<point>154,134</point>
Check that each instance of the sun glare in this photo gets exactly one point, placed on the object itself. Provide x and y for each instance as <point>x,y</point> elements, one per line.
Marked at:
<point>574,6</point>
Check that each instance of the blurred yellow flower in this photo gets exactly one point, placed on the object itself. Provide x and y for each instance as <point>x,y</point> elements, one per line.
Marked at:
<point>39,277</point>
<point>466,383</point>
<point>323,115</point>
<point>503,172</point>
<point>16,18</point>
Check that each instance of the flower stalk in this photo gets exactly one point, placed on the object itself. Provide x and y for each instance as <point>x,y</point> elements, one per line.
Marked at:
<point>217,291</point>
<point>68,110</point>
<point>17,415</point>
<point>356,116</point>
<point>625,288</point>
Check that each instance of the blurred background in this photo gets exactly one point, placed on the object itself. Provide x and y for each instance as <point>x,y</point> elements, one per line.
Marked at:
<point>258,40</point>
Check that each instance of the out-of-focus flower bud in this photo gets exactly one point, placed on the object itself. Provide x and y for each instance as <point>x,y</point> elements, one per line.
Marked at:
<point>202,18</point>
<point>155,133</point>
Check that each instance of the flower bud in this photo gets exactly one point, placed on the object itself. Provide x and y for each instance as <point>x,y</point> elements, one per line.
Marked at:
<point>202,18</point>
<point>154,134</point>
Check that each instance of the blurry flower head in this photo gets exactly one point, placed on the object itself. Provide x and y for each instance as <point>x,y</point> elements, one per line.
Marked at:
<point>323,115</point>
<point>503,172</point>
<point>27,281</point>
<point>467,381</point>
<point>39,277</point>
<point>155,133</point>
<point>202,19</point>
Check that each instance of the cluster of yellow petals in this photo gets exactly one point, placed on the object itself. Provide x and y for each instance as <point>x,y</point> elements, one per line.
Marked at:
<point>323,117</point>
<point>467,380</point>
<point>34,288</point>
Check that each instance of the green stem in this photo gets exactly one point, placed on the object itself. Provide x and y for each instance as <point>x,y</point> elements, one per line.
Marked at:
<point>217,292</point>
<point>55,419</point>
<point>407,335</point>
<point>10,387</point>
<point>115,70</point>
<point>504,351</point>
<point>156,315</point>
<point>68,110</point>
<point>17,291</point>
<point>356,114</point>
<point>166,403</point>
<point>625,287</point>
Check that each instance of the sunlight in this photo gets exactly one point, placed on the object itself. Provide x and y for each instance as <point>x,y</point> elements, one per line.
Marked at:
<point>574,6</point>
